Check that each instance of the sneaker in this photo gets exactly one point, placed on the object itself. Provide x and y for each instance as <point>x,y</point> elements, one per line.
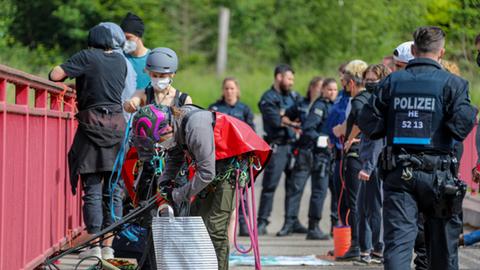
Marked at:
<point>91,252</point>
<point>364,260</point>
<point>107,253</point>
<point>377,258</point>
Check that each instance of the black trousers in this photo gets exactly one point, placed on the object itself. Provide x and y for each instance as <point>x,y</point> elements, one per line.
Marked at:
<point>352,167</point>
<point>404,200</point>
<point>279,163</point>
<point>314,166</point>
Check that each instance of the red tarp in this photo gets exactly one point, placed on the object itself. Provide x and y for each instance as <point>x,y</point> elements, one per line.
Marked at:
<point>233,137</point>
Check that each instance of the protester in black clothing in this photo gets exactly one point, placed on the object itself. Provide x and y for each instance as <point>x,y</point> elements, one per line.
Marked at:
<point>351,163</point>
<point>100,78</point>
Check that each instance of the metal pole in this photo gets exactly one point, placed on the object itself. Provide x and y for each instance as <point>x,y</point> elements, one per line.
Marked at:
<point>224,18</point>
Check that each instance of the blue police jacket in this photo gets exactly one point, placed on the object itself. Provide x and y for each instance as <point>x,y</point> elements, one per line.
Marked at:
<point>239,110</point>
<point>422,108</point>
<point>273,104</point>
<point>314,124</point>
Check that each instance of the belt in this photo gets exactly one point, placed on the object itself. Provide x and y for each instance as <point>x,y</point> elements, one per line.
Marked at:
<point>425,162</point>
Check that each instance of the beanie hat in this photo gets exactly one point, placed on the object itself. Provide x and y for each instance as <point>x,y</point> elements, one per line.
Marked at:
<point>133,24</point>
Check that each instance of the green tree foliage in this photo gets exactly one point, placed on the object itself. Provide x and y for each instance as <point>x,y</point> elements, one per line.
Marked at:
<point>303,32</point>
<point>313,35</point>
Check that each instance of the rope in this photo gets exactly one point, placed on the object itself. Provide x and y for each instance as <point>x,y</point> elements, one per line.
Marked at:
<point>342,180</point>
<point>61,97</point>
<point>251,218</point>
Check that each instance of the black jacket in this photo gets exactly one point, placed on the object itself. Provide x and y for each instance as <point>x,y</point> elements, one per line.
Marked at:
<point>453,118</point>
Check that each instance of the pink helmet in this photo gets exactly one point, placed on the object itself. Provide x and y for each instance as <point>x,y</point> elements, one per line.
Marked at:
<point>151,121</point>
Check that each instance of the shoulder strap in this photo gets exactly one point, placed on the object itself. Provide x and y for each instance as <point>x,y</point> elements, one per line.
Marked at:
<point>150,94</point>
<point>183,97</point>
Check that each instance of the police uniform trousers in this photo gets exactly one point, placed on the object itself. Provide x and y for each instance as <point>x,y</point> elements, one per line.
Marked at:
<point>215,209</point>
<point>370,215</point>
<point>403,201</point>
<point>279,162</point>
<point>314,165</point>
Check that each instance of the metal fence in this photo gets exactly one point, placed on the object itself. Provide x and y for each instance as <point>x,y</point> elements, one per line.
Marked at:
<point>37,211</point>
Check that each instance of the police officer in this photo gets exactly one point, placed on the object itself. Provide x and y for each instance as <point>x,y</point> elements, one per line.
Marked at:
<point>230,102</point>
<point>421,110</point>
<point>312,159</point>
<point>298,112</point>
<point>280,134</point>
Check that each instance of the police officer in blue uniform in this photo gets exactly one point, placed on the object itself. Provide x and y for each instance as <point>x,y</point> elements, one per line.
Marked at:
<point>421,110</point>
<point>280,134</point>
<point>298,112</point>
<point>312,159</point>
<point>230,102</point>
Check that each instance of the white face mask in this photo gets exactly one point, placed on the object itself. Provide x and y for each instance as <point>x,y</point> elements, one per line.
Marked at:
<point>129,46</point>
<point>161,83</point>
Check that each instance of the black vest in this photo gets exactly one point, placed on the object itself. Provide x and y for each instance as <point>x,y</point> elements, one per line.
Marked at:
<point>416,113</point>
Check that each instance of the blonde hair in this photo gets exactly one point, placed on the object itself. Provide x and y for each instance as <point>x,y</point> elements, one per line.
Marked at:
<point>450,67</point>
<point>354,71</point>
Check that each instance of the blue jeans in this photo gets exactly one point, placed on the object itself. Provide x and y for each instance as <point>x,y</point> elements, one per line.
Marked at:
<point>370,215</point>
<point>96,201</point>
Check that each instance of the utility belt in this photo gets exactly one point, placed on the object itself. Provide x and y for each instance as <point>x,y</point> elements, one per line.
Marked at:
<point>449,191</point>
<point>424,162</point>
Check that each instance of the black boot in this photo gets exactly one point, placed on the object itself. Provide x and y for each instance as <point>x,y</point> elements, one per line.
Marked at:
<point>314,231</point>
<point>287,228</point>
<point>353,254</point>
<point>262,227</point>
<point>299,228</point>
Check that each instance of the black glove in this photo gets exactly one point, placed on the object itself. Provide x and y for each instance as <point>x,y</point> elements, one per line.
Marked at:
<point>166,189</point>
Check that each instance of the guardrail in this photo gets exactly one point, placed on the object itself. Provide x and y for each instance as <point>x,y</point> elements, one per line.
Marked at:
<point>37,211</point>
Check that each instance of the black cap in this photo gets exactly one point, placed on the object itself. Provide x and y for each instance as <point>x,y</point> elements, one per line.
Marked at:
<point>133,24</point>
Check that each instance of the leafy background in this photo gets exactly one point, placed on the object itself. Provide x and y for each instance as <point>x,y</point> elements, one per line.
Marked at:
<point>313,36</point>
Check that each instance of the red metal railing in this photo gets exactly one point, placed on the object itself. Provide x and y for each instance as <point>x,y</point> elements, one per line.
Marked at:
<point>469,159</point>
<point>37,211</point>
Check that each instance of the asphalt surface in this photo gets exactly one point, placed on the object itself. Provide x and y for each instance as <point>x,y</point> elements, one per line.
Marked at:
<point>296,245</point>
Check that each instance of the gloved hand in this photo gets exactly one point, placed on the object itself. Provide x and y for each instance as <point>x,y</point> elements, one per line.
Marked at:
<point>476,174</point>
<point>166,190</point>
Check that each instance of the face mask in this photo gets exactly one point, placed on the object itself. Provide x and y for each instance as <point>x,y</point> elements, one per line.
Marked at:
<point>371,86</point>
<point>129,46</point>
<point>478,59</point>
<point>161,83</point>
